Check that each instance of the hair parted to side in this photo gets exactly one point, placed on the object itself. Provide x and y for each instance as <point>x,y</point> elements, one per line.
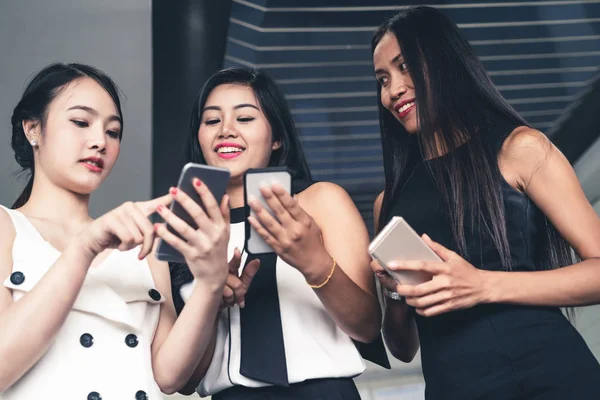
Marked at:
<point>45,86</point>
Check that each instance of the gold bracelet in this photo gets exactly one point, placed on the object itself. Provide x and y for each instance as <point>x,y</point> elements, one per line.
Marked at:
<point>326,280</point>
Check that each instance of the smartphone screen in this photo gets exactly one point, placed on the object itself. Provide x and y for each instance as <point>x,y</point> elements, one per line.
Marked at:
<point>215,179</point>
<point>254,179</point>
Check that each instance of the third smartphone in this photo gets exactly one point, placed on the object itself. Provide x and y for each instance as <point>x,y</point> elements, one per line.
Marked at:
<point>253,180</point>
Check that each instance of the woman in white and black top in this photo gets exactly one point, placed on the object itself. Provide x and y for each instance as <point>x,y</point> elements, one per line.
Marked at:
<point>310,306</point>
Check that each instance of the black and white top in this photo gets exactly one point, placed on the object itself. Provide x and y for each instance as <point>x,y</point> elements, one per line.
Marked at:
<point>315,347</point>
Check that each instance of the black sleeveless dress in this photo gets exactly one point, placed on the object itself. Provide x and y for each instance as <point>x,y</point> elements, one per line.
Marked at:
<point>495,351</point>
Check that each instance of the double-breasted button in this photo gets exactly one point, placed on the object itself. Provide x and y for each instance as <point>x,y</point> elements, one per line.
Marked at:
<point>131,340</point>
<point>17,277</point>
<point>86,340</point>
<point>141,395</point>
<point>94,396</point>
<point>154,295</point>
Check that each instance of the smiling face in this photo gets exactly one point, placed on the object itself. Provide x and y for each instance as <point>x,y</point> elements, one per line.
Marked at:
<point>397,88</point>
<point>234,133</point>
<point>79,141</point>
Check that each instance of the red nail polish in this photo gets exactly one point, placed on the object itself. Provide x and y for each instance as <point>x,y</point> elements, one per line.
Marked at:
<point>174,191</point>
<point>197,182</point>
<point>155,227</point>
<point>160,208</point>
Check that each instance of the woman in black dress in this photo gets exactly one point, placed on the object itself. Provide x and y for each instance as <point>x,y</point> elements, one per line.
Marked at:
<point>501,206</point>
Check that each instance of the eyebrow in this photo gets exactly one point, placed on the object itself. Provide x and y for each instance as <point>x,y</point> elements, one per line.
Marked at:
<point>394,61</point>
<point>95,113</point>
<point>217,108</point>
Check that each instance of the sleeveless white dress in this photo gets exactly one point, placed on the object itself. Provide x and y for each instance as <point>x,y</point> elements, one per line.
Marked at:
<point>103,349</point>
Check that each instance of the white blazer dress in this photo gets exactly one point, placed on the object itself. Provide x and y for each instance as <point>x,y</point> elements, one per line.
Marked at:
<point>102,352</point>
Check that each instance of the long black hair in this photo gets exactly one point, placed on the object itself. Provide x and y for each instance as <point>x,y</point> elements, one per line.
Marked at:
<point>455,101</point>
<point>45,86</point>
<point>273,105</point>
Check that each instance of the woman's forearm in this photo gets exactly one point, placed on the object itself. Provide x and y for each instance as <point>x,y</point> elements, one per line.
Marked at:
<point>28,327</point>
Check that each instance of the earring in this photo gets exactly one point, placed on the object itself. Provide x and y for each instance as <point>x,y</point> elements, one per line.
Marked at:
<point>34,143</point>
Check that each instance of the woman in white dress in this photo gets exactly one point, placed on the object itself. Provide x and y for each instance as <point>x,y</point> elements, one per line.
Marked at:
<point>84,314</point>
<point>310,313</point>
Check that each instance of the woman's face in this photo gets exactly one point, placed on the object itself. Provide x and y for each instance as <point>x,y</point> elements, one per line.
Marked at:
<point>80,140</point>
<point>234,133</point>
<point>397,88</point>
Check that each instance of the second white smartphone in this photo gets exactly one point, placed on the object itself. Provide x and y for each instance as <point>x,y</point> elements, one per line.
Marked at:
<point>398,241</point>
<point>254,179</point>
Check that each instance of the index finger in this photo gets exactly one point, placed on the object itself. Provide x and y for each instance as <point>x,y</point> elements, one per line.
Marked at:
<point>208,199</point>
<point>290,204</point>
<point>420,290</point>
<point>149,206</point>
<point>433,267</point>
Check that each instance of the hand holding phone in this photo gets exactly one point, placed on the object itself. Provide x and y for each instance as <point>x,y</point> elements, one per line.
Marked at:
<point>397,241</point>
<point>254,179</point>
<point>216,179</point>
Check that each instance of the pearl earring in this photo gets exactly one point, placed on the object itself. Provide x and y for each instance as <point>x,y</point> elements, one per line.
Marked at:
<point>34,143</point>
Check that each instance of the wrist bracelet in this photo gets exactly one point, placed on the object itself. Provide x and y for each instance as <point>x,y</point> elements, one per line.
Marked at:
<point>392,295</point>
<point>319,286</point>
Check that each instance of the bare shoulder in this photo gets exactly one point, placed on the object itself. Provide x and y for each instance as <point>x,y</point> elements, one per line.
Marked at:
<point>525,141</point>
<point>322,195</point>
<point>524,151</point>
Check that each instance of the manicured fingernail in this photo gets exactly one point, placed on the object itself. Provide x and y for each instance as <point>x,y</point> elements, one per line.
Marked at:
<point>173,191</point>
<point>160,208</point>
<point>197,182</point>
<point>155,227</point>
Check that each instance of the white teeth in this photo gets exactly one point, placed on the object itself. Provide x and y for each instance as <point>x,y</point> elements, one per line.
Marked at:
<point>229,150</point>
<point>91,163</point>
<point>406,107</point>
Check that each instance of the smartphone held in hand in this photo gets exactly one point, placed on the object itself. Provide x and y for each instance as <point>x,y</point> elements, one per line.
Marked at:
<point>398,241</point>
<point>254,179</point>
<point>215,179</point>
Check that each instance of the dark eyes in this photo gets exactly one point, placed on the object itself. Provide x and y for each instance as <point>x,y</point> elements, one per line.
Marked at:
<point>83,124</point>
<point>382,80</point>
<point>240,119</point>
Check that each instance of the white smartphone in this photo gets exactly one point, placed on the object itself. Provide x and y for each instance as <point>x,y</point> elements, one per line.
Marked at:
<point>398,241</point>
<point>215,179</point>
<point>254,179</point>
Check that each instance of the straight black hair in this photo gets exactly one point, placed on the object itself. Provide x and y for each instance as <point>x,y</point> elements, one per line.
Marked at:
<point>456,100</point>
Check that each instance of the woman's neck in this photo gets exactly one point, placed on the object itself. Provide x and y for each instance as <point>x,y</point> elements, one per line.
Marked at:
<point>236,195</point>
<point>58,205</point>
